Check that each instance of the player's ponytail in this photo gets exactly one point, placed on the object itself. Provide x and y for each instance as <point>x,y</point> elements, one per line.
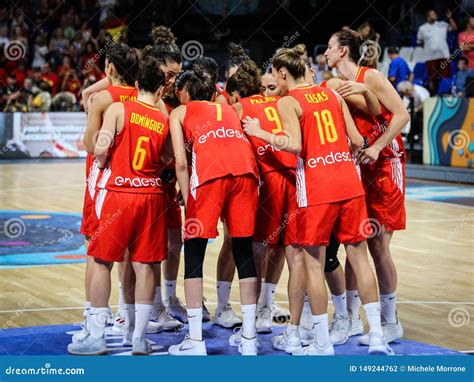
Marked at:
<point>247,80</point>
<point>237,56</point>
<point>200,86</point>
<point>207,64</point>
<point>360,51</point>
<point>150,76</point>
<point>126,62</point>
<point>293,59</point>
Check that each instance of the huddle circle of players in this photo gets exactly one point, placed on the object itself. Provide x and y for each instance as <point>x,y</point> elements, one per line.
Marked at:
<point>291,168</point>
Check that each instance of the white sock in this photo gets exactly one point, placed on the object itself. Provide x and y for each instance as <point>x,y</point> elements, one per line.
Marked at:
<point>248,320</point>
<point>306,317</point>
<point>121,303</point>
<point>388,303</point>
<point>87,315</point>
<point>158,300</point>
<point>142,316</point>
<point>195,323</point>
<point>170,289</point>
<point>290,329</point>
<point>340,304</point>
<point>268,294</point>
<point>321,328</point>
<point>223,293</point>
<point>98,320</point>
<point>353,303</point>
<point>372,313</point>
<point>129,317</point>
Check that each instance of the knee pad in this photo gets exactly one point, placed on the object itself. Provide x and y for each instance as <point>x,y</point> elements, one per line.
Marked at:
<point>243,257</point>
<point>332,262</point>
<point>194,251</point>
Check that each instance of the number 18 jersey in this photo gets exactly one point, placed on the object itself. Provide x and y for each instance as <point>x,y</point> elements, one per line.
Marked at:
<point>325,171</point>
<point>135,155</point>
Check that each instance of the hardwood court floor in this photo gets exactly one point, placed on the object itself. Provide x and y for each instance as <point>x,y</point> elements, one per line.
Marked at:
<point>434,256</point>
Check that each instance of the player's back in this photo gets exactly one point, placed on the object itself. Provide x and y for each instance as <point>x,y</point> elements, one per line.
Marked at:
<point>326,171</point>
<point>219,145</point>
<point>269,157</point>
<point>135,156</point>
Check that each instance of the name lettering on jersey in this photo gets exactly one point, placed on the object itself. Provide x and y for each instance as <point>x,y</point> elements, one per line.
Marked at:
<point>263,149</point>
<point>120,181</point>
<point>124,98</point>
<point>147,122</point>
<point>222,133</point>
<point>261,100</point>
<point>331,158</point>
<point>316,97</point>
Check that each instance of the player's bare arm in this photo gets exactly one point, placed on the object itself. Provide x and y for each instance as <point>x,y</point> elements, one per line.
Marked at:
<point>99,105</point>
<point>112,125</point>
<point>179,149</point>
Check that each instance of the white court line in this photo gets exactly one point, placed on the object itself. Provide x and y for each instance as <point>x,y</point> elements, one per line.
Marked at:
<point>438,202</point>
<point>467,219</point>
<point>236,303</point>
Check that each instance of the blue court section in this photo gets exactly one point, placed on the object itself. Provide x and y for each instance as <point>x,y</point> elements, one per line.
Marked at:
<point>461,194</point>
<point>53,340</point>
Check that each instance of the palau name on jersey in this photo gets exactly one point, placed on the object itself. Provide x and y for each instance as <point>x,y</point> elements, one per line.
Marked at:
<point>260,100</point>
<point>147,122</point>
<point>316,97</point>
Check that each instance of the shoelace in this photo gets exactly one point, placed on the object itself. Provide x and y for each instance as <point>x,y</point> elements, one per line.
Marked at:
<point>266,312</point>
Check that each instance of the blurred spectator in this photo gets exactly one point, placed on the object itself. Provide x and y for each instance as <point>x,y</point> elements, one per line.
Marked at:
<point>416,92</point>
<point>432,35</point>
<point>4,35</point>
<point>42,100</point>
<point>58,45</point>
<point>20,73</point>
<point>40,50</point>
<point>463,72</point>
<point>71,84</point>
<point>320,67</point>
<point>327,75</point>
<point>398,70</point>
<point>50,77</point>
<point>466,42</point>
<point>368,32</point>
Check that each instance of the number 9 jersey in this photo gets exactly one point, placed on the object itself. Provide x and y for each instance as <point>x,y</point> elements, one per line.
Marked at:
<point>135,156</point>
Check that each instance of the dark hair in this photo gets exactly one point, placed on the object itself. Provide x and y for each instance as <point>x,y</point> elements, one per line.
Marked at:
<point>164,53</point>
<point>209,65</point>
<point>150,76</point>
<point>362,52</point>
<point>393,50</point>
<point>182,78</point>
<point>126,62</point>
<point>162,36</point>
<point>427,12</point>
<point>200,86</point>
<point>237,56</point>
<point>247,80</point>
<point>293,59</point>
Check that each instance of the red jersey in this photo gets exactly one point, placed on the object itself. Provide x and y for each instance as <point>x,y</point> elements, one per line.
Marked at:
<point>373,126</point>
<point>119,93</point>
<point>135,157</point>
<point>269,158</point>
<point>325,171</point>
<point>219,145</point>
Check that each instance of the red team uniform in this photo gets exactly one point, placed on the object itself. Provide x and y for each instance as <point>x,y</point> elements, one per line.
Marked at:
<point>89,217</point>
<point>276,222</point>
<point>384,180</point>
<point>226,187</point>
<point>329,191</point>
<point>131,203</point>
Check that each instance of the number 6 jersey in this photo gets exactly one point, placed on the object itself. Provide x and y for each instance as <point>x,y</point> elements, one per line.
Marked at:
<point>325,171</point>
<point>135,155</point>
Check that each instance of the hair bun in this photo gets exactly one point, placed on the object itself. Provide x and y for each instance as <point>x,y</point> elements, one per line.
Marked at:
<point>162,35</point>
<point>300,50</point>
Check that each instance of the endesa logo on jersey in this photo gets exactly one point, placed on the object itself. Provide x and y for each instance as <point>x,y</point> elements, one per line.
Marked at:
<point>331,158</point>
<point>263,149</point>
<point>222,133</point>
<point>120,181</point>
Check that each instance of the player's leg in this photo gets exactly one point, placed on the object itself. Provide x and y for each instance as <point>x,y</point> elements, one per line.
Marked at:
<point>264,306</point>
<point>353,301</point>
<point>224,315</point>
<point>128,289</point>
<point>121,314</point>
<point>275,265</point>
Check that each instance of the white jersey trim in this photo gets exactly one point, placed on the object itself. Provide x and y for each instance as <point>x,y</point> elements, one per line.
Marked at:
<point>301,196</point>
<point>194,180</point>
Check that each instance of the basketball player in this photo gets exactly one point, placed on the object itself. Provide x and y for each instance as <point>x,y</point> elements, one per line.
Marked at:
<point>382,163</point>
<point>275,231</point>
<point>121,69</point>
<point>131,208</point>
<point>224,181</point>
<point>329,193</point>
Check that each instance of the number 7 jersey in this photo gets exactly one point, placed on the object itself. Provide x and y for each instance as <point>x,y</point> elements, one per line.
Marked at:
<point>135,156</point>
<point>325,171</point>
